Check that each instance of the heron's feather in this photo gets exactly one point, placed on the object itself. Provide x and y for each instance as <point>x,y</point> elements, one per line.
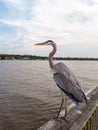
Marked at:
<point>67,81</point>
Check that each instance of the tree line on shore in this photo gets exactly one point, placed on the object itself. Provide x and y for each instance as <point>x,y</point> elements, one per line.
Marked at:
<point>33,57</point>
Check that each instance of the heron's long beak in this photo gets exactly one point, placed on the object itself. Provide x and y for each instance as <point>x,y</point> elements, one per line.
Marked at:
<point>39,44</point>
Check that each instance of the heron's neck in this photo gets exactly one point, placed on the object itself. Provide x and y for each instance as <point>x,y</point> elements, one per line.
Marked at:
<point>51,56</point>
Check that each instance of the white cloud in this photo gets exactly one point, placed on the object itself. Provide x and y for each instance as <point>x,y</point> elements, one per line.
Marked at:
<point>19,4</point>
<point>65,21</point>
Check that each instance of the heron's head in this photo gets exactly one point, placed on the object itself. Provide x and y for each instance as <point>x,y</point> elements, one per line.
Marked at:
<point>48,42</point>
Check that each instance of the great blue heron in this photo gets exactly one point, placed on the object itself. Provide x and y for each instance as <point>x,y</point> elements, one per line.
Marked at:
<point>65,80</point>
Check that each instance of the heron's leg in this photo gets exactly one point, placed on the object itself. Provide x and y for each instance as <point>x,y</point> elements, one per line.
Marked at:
<point>66,104</point>
<point>61,104</point>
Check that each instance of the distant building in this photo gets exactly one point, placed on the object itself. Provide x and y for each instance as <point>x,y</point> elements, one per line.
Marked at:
<point>26,58</point>
<point>13,58</point>
<point>7,58</point>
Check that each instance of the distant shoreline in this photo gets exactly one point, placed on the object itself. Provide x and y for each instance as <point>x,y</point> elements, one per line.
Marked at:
<point>33,57</point>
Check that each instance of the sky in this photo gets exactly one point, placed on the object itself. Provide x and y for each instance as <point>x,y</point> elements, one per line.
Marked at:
<point>71,24</point>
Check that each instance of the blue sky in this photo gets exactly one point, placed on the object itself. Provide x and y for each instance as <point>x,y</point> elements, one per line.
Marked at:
<point>72,24</point>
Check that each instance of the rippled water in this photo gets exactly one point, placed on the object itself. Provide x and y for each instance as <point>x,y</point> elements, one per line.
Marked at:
<point>29,96</point>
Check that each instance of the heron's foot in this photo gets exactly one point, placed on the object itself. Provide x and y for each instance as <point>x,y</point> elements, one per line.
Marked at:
<point>58,118</point>
<point>65,119</point>
<point>55,117</point>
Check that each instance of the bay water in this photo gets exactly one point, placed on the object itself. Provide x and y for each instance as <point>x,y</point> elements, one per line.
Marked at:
<point>28,94</point>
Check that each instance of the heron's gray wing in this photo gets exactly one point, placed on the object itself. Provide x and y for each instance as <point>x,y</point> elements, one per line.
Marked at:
<point>63,69</point>
<point>70,88</point>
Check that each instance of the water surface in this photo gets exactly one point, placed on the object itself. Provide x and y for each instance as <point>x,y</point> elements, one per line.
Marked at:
<point>28,94</point>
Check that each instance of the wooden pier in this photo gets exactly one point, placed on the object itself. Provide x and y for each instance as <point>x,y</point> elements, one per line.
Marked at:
<point>86,119</point>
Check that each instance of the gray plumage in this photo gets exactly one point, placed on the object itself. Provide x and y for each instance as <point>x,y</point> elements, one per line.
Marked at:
<point>68,83</point>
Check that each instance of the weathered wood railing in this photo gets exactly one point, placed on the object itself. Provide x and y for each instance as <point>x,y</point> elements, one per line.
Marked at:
<point>86,120</point>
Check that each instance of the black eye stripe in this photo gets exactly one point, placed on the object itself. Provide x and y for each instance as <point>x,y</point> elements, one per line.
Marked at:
<point>48,41</point>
